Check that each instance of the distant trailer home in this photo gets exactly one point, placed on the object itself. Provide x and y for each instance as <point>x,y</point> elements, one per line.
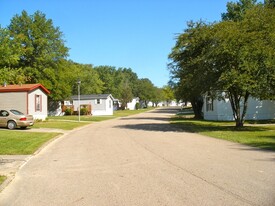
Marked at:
<point>28,98</point>
<point>99,104</point>
<point>220,110</point>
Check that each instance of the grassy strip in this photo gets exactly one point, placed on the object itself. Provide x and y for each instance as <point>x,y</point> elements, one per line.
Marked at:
<point>125,113</point>
<point>22,143</point>
<point>262,136</point>
<point>65,125</point>
<point>85,118</point>
<point>2,179</point>
<point>90,118</point>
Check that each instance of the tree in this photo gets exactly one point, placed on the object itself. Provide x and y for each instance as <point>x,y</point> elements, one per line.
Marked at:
<point>168,94</point>
<point>89,77</point>
<point>126,95</point>
<point>190,66</point>
<point>237,10</point>
<point>41,50</point>
<point>158,96</point>
<point>231,56</point>
<point>145,90</point>
<point>245,52</point>
<point>107,76</point>
<point>270,3</point>
<point>9,50</point>
<point>41,42</point>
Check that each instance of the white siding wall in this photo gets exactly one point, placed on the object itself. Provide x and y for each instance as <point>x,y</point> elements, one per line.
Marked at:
<point>109,106</point>
<point>14,100</point>
<point>257,110</point>
<point>104,108</point>
<point>31,99</point>
<point>132,105</point>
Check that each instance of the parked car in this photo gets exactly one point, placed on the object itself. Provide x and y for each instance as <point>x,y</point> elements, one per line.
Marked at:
<point>12,118</point>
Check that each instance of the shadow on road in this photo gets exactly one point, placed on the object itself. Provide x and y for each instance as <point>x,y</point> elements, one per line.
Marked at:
<point>165,119</point>
<point>166,110</point>
<point>157,127</point>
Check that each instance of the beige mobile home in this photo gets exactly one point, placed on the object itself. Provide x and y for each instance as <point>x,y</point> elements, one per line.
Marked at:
<point>27,98</point>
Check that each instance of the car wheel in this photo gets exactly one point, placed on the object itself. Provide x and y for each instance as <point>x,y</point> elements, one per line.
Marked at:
<point>11,124</point>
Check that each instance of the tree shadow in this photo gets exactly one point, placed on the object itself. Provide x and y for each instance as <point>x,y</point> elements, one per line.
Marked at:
<point>170,110</point>
<point>155,127</point>
<point>195,125</point>
<point>166,119</point>
<point>264,145</point>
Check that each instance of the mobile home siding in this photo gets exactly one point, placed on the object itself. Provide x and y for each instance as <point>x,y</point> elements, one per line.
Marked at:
<point>42,114</point>
<point>256,110</point>
<point>104,107</point>
<point>14,100</point>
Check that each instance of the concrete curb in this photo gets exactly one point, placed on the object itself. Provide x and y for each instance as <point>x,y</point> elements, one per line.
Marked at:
<point>11,164</point>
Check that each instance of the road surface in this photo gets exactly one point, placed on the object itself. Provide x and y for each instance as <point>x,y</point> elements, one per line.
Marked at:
<point>142,160</point>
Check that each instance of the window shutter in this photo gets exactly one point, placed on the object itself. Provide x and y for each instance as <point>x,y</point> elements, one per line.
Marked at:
<point>40,96</point>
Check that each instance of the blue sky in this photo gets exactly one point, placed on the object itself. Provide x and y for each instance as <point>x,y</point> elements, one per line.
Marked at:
<point>136,34</point>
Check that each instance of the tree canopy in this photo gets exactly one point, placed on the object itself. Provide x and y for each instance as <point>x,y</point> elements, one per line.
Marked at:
<point>235,55</point>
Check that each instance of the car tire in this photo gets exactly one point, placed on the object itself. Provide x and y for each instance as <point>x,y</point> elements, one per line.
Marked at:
<point>11,125</point>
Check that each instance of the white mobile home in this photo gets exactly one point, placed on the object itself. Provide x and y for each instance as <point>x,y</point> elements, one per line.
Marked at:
<point>132,105</point>
<point>100,104</point>
<point>221,109</point>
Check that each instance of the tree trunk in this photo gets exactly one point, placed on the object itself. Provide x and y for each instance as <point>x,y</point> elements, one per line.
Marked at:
<point>197,104</point>
<point>235,100</point>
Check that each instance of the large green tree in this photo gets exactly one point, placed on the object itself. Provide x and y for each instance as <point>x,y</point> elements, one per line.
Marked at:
<point>41,48</point>
<point>189,65</point>
<point>236,10</point>
<point>145,90</point>
<point>231,56</point>
<point>168,94</point>
<point>89,77</point>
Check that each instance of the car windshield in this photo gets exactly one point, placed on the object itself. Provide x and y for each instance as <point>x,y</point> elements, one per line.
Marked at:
<point>16,112</point>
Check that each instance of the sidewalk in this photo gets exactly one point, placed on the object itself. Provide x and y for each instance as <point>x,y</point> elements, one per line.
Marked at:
<point>10,164</point>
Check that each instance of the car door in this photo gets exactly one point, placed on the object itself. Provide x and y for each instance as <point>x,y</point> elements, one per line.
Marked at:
<point>3,118</point>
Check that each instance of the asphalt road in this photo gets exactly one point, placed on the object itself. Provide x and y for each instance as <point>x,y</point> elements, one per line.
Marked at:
<point>143,160</point>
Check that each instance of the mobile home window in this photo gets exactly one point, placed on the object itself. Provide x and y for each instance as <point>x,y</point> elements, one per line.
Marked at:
<point>38,103</point>
<point>97,101</point>
<point>209,104</point>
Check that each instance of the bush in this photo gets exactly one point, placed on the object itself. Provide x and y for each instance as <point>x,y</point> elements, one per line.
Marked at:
<point>137,106</point>
<point>84,111</point>
<point>68,111</point>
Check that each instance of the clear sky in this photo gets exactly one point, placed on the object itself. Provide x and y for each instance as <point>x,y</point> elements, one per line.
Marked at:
<point>136,34</point>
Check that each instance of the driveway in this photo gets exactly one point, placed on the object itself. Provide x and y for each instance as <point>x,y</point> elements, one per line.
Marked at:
<point>143,160</point>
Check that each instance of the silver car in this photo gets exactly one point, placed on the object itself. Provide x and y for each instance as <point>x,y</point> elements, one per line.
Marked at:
<point>12,118</point>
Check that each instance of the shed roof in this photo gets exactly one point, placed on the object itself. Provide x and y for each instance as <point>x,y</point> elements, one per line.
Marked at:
<point>23,88</point>
<point>92,96</point>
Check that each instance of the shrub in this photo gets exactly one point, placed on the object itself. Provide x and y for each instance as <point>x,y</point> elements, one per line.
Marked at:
<point>84,111</point>
<point>137,106</point>
<point>68,111</point>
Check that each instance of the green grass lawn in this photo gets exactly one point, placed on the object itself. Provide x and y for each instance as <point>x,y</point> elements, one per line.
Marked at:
<point>2,179</point>
<point>58,124</point>
<point>124,113</point>
<point>262,136</point>
<point>22,143</point>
